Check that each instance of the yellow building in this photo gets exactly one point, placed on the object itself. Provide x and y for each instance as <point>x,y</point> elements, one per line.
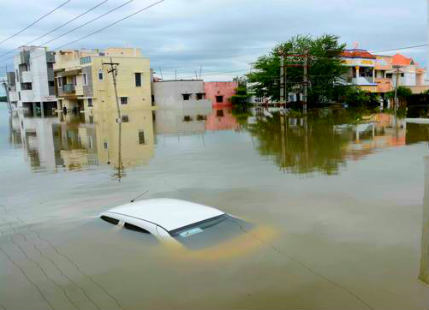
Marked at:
<point>84,84</point>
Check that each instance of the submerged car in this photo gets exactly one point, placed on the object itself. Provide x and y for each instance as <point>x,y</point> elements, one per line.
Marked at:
<point>190,224</point>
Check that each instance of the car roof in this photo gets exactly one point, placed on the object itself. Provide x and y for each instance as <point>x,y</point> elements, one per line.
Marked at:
<point>170,214</point>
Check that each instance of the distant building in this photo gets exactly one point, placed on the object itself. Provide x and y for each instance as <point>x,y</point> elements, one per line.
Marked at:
<point>84,83</point>
<point>361,68</point>
<point>220,93</point>
<point>410,74</point>
<point>179,94</point>
<point>34,80</point>
<point>378,73</point>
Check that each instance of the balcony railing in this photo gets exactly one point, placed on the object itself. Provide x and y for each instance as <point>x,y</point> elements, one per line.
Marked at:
<point>68,88</point>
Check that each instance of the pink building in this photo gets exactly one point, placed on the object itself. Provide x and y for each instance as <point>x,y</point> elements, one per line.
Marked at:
<point>220,92</point>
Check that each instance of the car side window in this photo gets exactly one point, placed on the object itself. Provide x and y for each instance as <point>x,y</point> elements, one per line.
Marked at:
<point>110,220</point>
<point>135,228</point>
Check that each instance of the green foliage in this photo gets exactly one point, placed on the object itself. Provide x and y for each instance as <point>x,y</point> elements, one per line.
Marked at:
<point>241,97</point>
<point>355,97</point>
<point>325,67</point>
<point>403,93</point>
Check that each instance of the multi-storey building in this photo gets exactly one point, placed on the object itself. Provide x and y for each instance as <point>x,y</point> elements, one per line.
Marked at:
<point>379,73</point>
<point>85,83</point>
<point>389,69</point>
<point>34,80</point>
<point>361,69</point>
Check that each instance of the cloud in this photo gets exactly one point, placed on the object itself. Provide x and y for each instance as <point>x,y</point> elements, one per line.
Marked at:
<point>222,36</point>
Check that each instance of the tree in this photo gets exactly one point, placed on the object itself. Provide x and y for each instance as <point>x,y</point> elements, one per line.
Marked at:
<point>325,67</point>
<point>354,96</point>
<point>403,94</point>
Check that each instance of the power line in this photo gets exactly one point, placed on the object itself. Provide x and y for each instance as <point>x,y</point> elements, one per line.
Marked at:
<point>401,48</point>
<point>88,22</point>
<point>68,22</point>
<point>35,22</point>
<point>59,27</point>
<point>112,24</point>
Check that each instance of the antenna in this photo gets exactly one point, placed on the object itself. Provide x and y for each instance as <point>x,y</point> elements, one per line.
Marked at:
<point>144,193</point>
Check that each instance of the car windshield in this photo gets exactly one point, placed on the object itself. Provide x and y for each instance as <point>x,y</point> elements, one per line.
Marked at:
<point>210,232</point>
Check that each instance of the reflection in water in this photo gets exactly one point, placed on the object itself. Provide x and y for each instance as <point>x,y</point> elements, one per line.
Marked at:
<point>319,142</point>
<point>323,143</point>
<point>100,140</point>
<point>424,258</point>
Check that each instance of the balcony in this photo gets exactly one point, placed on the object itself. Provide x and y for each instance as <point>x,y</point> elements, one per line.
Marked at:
<point>27,96</point>
<point>68,89</point>
<point>26,77</point>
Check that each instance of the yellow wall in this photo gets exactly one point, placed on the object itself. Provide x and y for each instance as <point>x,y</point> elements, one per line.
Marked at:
<point>103,90</point>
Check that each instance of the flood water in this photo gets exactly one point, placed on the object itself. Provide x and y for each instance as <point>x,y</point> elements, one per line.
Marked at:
<point>336,201</point>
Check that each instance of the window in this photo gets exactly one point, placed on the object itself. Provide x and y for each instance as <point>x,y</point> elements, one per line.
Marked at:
<point>389,75</point>
<point>50,65</point>
<point>51,83</point>
<point>187,118</point>
<point>60,81</point>
<point>186,96</point>
<point>74,80</point>
<point>138,78</point>
<point>110,220</point>
<point>135,228</point>
<point>200,96</point>
<point>141,137</point>
<point>219,113</point>
<point>124,100</point>
<point>201,117</point>
<point>89,102</point>
<point>125,119</point>
<point>219,99</point>
<point>100,75</point>
<point>26,86</point>
<point>85,79</point>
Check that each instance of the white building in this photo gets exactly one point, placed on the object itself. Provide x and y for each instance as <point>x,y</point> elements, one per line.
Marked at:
<point>34,79</point>
<point>179,94</point>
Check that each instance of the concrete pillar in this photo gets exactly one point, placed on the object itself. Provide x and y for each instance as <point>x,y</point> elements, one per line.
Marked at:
<point>357,72</point>
<point>34,108</point>
<point>42,109</point>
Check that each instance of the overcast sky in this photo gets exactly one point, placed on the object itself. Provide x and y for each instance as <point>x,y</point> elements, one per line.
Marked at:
<point>221,36</point>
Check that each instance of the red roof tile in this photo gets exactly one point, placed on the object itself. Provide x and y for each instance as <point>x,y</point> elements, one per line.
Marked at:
<point>355,53</point>
<point>401,60</point>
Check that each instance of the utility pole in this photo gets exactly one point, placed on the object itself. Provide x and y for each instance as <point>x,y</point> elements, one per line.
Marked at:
<point>282,81</point>
<point>305,94</point>
<point>396,88</point>
<point>113,69</point>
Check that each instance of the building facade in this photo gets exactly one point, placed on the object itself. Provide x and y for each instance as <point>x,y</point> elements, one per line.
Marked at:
<point>361,69</point>
<point>34,80</point>
<point>179,94</point>
<point>220,93</point>
<point>84,82</point>
<point>379,73</point>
